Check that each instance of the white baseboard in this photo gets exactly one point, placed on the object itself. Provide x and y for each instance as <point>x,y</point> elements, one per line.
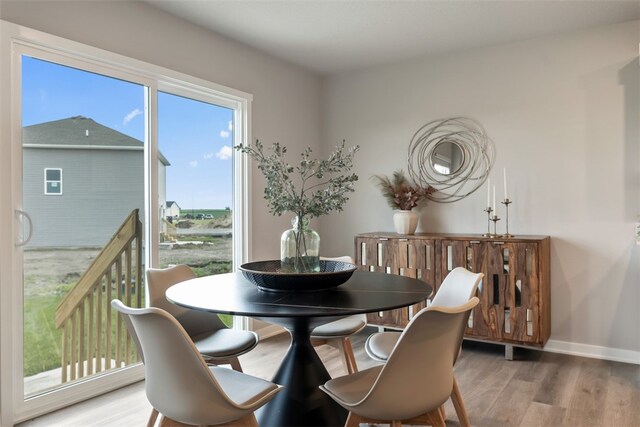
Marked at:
<point>593,351</point>
<point>269,331</point>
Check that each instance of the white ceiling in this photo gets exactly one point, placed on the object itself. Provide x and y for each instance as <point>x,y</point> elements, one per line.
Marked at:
<point>333,36</point>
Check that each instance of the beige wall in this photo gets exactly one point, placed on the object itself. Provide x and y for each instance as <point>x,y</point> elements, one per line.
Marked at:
<point>564,114</point>
<point>285,103</point>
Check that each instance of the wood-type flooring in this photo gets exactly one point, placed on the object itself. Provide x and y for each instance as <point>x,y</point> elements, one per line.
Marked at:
<point>536,389</point>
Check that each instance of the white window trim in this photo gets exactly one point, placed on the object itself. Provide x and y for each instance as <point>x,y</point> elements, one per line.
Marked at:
<point>16,40</point>
<point>46,181</point>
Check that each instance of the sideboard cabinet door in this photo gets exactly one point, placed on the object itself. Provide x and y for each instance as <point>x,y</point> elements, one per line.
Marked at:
<point>401,256</point>
<point>470,254</point>
<point>514,278</point>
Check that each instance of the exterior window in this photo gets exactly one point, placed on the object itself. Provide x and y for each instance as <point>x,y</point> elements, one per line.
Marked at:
<point>53,181</point>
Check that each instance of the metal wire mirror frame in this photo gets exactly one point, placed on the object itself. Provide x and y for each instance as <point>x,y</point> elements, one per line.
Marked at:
<point>478,157</point>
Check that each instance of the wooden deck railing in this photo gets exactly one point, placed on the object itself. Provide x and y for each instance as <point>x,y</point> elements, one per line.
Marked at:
<point>94,337</point>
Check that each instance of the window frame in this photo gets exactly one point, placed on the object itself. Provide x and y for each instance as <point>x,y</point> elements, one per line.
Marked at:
<point>47,181</point>
<point>16,41</point>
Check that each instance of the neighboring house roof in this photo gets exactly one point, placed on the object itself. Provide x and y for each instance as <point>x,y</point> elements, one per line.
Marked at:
<point>79,132</point>
<point>171,203</point>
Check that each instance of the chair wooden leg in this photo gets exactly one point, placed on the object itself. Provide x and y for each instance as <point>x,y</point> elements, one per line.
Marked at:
<point>350,358</point>
<point>152,418</point>
<point>338,343</point>
<point>435,418</point>
<point>443,414</point>
<point>168,422</point>
<point>456,398</point>
<point>235,364</point>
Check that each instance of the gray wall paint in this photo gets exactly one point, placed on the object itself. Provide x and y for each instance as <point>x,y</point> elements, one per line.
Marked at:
<point>564,114</point>
<point>286,104</point>
<point>100,189</point>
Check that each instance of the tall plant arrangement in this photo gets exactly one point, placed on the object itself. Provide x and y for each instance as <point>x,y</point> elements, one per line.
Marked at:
<point>308,189</point>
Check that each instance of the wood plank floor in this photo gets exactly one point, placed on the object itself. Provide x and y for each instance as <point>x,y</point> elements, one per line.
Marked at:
<point>536,389</point>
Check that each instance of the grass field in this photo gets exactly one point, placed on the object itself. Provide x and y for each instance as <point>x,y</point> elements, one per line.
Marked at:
<point>42,340</point>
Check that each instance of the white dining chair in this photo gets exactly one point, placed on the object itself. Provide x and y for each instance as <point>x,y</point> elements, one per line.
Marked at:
<point>217,343</point>
<point>337,333</point>
<point>458,287</point>
<point>179,384</point>
<point>416,379</point>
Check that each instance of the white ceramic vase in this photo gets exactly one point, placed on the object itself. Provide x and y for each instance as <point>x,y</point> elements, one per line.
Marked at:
<point>405,222</point>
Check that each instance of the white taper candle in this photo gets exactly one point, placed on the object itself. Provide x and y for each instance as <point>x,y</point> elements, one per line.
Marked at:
<point>504,174</point>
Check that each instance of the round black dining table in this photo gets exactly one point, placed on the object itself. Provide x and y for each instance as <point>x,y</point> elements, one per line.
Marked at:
<point>301,402</point>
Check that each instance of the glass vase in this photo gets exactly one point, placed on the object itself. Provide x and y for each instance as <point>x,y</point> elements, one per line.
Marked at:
<point>300,248</point>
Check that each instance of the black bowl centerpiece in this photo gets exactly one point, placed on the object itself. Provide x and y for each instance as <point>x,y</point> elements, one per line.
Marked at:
<point>268,276</point>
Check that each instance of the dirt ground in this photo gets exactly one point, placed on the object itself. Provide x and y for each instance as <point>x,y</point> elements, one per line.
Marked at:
<point>53,271</point>
<point>219,250</point>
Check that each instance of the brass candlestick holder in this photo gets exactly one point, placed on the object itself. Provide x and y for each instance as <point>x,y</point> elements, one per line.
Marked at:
<point>495,220</point>
<point>506,203</point>
<point>488,210</point>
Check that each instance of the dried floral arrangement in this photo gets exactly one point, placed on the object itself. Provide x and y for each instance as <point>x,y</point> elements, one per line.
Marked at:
<point>399,192</point>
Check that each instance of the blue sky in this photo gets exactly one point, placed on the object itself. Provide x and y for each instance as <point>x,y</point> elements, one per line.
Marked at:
<point>194,136</point>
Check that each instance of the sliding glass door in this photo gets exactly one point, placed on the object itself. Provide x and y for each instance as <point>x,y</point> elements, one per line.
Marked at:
<point>115,169</point>
<point>83,141</point>
<point>81,211</point>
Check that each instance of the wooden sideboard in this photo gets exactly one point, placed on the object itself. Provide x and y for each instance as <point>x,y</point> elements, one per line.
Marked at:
<point>514,295</point>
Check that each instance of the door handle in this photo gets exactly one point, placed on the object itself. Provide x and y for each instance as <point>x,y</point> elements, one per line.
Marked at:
<point>23,214</point>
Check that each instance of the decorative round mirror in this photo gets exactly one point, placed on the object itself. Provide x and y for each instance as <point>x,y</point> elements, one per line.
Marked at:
<point>454,156</point>
<point>447,158</point>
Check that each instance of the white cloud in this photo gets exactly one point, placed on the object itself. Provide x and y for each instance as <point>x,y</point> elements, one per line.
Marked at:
<point>224,134</point>
<point>131,116</point>
<point>230,126</point>
<point>208,155</point>
<point>225,153</point>
<point>193,163</point>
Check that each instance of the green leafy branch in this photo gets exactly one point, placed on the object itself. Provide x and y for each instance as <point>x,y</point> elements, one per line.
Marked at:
<point>310,189</point>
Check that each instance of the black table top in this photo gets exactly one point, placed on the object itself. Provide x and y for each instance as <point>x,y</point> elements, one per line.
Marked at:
<point>364,292</point>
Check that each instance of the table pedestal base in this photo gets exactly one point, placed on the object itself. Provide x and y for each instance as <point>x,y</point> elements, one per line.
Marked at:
<point>301,402</point>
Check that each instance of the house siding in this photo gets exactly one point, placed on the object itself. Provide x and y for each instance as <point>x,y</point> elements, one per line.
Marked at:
<point>100,188</point>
